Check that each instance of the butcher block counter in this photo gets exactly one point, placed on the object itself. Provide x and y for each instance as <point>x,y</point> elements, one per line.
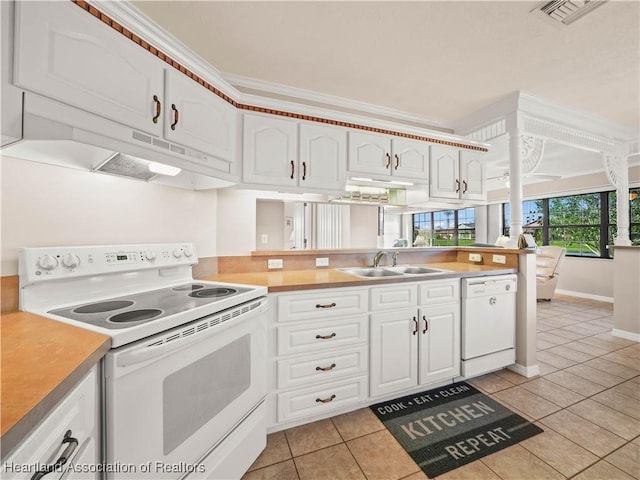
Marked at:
<point>41,362</point>
<point>289,280</point>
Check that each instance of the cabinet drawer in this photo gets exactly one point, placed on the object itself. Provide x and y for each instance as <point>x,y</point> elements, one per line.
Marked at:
<point>77,413</point>
<point>394,296</point>
<point>321,368</point>
<point>322,335</point>
<point>325,304</point>
<point>314,401</point>
<point>437,292</point>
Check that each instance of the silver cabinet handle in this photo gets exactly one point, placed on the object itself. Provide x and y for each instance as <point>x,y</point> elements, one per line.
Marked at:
<point>326,369</point>
<point>326,337</point>
<point>72,444</point>
<point>328,305</point>
<point>325,400</point>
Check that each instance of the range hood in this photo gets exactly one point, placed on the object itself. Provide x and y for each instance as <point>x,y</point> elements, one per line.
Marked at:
<point>62,135</point>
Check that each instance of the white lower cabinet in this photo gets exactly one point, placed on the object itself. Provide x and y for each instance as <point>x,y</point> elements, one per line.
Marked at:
<point>415,345</point>
<point>70,431</point>
<point>337,349</point>
<point>320,354</point>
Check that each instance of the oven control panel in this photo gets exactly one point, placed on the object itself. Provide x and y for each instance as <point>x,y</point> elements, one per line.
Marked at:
<point>48,263</point>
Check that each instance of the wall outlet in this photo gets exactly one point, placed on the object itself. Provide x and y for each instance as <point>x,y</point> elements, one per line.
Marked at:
<point>499,259</point>
<point>275,263</point>
<point>264,238</point>
<point>475,257</point>
<point>322,261</point>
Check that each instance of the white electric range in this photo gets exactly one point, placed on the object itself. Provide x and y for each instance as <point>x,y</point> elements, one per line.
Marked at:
<point>185,380</point>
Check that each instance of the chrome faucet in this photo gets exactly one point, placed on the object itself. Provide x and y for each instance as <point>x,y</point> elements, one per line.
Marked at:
<point>394,259</point>
<point>378,256</point>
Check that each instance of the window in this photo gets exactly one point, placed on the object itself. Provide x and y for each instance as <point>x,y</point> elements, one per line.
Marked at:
<point>445,227</point>
<point>583,224</point>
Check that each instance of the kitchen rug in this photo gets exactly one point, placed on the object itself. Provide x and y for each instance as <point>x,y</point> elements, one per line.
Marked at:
<point>451,426</point>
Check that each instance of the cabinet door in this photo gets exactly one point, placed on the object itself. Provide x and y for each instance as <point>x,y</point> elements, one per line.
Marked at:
<point>270,150</point>
<point>323,157</point>
<point>393,361</point>
<point>200,119</point>
<point>445,172</point>
<point>66,54</point>
<point>369,154</point>
<point>400,295</point>
<point>439,343</point>
<point>410,159</point>
<point>472,175</point>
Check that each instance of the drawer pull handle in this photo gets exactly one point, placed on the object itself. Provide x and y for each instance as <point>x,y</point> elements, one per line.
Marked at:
<point>415,331</point>
<point>493,301</point>
<point>326,337</point>
<point>326,369</point>
<point>325,400</point>
<point>426,324</point>
<point>176,116</point>
<point>329,305</point>
<point>62,459</point>
<point>158,109</point>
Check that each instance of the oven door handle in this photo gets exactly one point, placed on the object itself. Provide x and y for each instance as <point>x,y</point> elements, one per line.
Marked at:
<point>141,354</point>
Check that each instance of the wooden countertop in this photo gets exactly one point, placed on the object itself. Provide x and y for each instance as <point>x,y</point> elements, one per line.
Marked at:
<point>41,362</point>
<point>289,280</point>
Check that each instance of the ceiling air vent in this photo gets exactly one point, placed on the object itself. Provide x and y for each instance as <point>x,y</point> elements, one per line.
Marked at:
<point>565,12</point>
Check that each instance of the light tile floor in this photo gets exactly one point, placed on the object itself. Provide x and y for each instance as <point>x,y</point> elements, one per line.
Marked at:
<point>587,400</point>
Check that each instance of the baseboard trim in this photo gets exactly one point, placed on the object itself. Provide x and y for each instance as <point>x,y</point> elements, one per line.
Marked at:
<point>599,298</point>
<point>528,372</point>
<point>635,337</point>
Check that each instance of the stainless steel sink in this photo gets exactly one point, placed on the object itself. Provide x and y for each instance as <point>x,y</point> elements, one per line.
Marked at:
<point>388,271</point>
<point>413,270</point>
<point>371,272</point>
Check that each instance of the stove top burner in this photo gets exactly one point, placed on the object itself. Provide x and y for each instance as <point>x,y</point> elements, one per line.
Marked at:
<point>213,292</point>
<point>190,287</point>
<point>103,306</point>
<point>135,315</point>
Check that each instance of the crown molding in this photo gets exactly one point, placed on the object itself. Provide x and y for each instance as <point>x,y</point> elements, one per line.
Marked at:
<point>359,121</point>
<point>302,95</point>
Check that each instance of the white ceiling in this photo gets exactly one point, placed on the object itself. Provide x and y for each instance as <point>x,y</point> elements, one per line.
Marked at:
<point>439,60</point>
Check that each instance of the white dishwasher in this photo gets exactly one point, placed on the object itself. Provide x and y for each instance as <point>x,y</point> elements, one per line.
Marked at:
<point>488,323</point>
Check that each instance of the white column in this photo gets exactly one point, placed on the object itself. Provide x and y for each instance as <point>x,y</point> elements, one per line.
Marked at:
<point>617,170</point>
<point>515,185</point>
<point>622,202</point>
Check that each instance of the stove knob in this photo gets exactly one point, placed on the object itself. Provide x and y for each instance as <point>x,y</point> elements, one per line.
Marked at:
<point>71,261</point>
<point>150,255</point>
<point>47,262</point>
<point>188,251</point>
<point>177,252</point>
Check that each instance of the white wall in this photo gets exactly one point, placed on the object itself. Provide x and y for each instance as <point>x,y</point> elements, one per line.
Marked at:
<point>48,205</point>
<point>587,276</point>
<point>270,222</point>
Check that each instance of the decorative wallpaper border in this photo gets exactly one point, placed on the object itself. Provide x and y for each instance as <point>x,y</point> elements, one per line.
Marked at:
<point>252,108</point>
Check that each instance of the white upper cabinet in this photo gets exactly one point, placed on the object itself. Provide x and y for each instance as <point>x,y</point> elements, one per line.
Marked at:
<point>473,176</point>
<point>457,174</point>
<point>445,172</point>
<point>199,118</point>
<point>322,162</point>
<point>65,54</point>
<point>270,150</point>
<point>279,152</point>
<point>382,156</point>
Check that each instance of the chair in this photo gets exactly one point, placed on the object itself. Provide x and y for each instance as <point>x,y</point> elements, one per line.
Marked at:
<point>548,261</point>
